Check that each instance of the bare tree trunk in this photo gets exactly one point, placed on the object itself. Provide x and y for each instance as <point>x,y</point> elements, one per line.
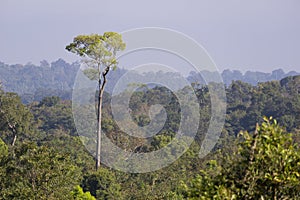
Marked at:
<point>99,117</point>
<point>14,131</point>
<point>14,140</point>
<point>99,112</point>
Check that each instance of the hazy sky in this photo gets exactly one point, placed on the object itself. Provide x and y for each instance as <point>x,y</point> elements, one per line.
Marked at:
<point>246,35</point>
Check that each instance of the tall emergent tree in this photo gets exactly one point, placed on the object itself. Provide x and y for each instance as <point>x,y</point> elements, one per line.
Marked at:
<point>99,53</point>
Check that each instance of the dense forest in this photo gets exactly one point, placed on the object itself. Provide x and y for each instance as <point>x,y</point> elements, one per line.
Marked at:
<point>34,82</point>
<point>256,157</point>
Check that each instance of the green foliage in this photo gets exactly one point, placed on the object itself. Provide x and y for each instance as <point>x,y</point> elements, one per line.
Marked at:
<point>247,104</point>
<point>79,194</point>
<point>270,163</point>
<point>102,184</point>
<point>71,146</point>
<point>265,166</point>
<point>160,141</point>
<point>101,49</point>
<point>15,118</point>
<point>3,149</point>
<point>33,172</point>
<point>54,116</point>
<point>246,165</point>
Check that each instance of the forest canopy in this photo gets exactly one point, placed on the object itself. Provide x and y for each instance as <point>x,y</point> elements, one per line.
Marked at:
<point>255,157</point>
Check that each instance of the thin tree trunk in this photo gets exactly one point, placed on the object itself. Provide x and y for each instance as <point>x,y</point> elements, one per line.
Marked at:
<point>14,140</point>
<point>13,129</point>
<point>99,112</point>
<point>99,117</point>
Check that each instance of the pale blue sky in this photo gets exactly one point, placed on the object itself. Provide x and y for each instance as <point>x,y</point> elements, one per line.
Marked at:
<point>247,35</point>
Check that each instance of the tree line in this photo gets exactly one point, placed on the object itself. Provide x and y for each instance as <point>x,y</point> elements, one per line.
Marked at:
<point>34,82</point>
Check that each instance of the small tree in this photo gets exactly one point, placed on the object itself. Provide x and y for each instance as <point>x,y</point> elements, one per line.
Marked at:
<point>99,53</point>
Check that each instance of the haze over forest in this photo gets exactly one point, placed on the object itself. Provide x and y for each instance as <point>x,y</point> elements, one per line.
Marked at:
<point>33,82</point>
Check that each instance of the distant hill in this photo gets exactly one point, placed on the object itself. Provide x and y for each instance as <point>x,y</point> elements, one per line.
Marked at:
<point>57,78</point>
<point>34,82</point>
<point>250,77</point>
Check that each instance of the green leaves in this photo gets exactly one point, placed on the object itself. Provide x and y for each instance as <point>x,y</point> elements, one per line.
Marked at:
<point>274,166</point>
<point>79,194</point>
<point>33,172</point>
<point>84,44</point>
<point>265,166</point>
<point>102,184</point>
<point>99,52</point>
<point>100,48</point>
<point>3,149</point>
<point>15,118</point>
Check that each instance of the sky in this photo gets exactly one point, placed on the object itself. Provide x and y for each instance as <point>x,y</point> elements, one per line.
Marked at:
<point>256,35</point>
